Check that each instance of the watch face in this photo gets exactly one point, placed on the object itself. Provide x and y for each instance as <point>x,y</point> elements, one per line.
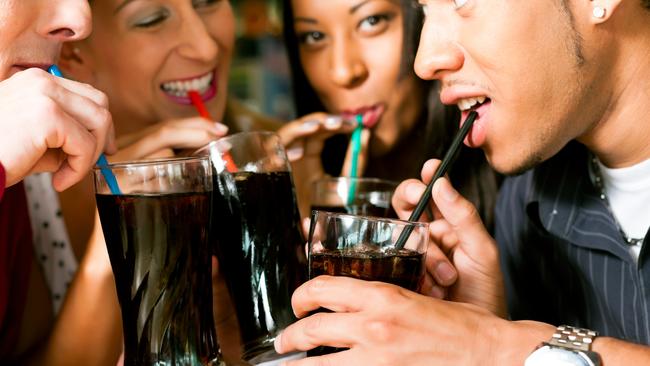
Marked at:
<point>552,356</point>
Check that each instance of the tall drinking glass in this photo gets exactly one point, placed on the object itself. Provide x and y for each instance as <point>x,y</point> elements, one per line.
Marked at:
<point>364,247</point>
<point>356,196</point>
<point>257,236</point>
<point>156,231</point>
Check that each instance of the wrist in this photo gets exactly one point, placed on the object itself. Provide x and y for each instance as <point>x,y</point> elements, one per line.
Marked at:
<point>519,340</point>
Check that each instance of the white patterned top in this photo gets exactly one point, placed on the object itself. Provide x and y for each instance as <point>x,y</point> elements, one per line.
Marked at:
<point>51,241</point>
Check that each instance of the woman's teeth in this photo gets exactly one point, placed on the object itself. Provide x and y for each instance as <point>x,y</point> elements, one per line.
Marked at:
<point>181,88</point>
<point>468,103</point>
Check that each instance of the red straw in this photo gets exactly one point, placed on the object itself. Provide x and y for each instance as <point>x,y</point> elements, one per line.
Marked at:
<point>203,112</point>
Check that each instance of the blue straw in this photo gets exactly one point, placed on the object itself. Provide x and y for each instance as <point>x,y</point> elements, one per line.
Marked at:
<point>356,150</point>
<point>101,162</point>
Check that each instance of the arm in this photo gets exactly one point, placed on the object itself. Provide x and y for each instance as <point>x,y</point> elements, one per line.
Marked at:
<point>52,124</point>
<point>87,330</point>
<point>382,323</point>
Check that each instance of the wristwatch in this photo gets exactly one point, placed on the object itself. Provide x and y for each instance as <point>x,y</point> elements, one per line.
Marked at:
<point>569,346</point>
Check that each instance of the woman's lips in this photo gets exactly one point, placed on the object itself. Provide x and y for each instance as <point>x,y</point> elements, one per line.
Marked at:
<point>206,95</point>
<point>371,115</point>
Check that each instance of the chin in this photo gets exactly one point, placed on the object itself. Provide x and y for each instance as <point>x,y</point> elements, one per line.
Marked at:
<point>514,164</point>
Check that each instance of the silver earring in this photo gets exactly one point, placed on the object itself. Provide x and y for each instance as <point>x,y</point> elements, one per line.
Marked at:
<point>599,12</point>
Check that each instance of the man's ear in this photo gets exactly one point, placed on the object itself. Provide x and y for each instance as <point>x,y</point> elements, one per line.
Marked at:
<point>76,64</point>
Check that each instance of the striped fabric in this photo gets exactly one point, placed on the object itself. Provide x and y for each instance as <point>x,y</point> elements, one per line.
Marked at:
<point>563,258</point>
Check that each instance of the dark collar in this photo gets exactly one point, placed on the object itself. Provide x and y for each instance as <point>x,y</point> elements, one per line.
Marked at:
<point>569,206</point>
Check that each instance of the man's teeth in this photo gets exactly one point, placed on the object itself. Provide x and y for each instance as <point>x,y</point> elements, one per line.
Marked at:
<point>180,88</point>
<point>468,103</point>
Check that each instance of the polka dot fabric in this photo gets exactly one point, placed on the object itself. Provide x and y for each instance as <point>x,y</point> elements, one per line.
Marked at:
<point>51,241</point>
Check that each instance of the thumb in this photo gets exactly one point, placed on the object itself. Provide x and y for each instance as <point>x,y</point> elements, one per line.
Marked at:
<point>460,213</point>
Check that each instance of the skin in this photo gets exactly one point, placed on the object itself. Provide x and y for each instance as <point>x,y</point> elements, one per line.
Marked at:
<point>64,125</point>
<point>189,42</point>
<point>50,124</point>
<point>459,47</point>
<point>343,47</point>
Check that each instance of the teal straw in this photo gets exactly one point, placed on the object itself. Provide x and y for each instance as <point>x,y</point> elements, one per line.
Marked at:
<point>101,162</point>
<point>356,150</point>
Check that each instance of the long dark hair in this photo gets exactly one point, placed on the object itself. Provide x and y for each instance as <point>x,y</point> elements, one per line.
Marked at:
<point>430,138</point>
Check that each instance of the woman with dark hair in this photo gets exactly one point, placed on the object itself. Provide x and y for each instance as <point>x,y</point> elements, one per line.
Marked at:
<point>351,57</point>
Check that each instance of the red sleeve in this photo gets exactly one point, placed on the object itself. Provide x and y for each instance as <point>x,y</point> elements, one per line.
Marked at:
<point>3,181</point>
<point>16,255</point>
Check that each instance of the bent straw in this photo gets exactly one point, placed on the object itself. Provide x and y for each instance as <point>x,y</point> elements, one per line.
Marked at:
<point>442,170</point>
<point>203,112</point>
<point>356,150</point>
<point>102,163</point>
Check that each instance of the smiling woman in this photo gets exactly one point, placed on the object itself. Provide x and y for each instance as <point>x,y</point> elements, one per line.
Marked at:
<point>145,56</point>
<point>355,57</point>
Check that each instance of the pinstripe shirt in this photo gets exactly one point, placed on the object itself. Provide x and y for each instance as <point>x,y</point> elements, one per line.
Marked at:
<point>563,257</point>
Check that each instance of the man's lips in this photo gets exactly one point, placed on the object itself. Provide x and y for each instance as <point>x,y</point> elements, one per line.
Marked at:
<point>478,134</point>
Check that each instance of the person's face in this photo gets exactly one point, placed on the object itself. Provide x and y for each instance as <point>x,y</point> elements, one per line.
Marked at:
<point>146,55</point>
<point>32,31</point>
<point>350,51</point>
<point>532,63</point>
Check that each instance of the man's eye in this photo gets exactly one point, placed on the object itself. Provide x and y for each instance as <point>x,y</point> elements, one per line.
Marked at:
<point>310,37</point>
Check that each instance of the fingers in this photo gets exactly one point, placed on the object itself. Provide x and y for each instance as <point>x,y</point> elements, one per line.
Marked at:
<point>439,266</point>
<point>406,197</point>
<point>340,294</point>
<point>348,357</point>
<point>161,139</point>
<point>307,135</point>
<point>460,214</point>
<point>320,329</point>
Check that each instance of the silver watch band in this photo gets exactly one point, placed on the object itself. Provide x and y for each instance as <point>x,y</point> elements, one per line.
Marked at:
<point>570,337</point>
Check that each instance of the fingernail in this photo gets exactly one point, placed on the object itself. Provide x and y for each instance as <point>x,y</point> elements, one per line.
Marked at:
<point>333,121</point>
<point>437,292</point>
<point>309,125</point>
<point>276,343</point>
<point>221,128</point>
<point>445,273</point>
<point>295,153</point>
<point>447,191</point>
<point>413,190</point>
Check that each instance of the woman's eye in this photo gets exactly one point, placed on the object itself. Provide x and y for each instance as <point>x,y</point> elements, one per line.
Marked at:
<point>152,20</point>
<point>310,38</point>
<point>373,21</point>
<point>460,3</point>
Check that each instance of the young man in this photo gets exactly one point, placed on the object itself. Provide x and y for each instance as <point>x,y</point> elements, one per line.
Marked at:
<point>567,84</point>
<point>46,124</point>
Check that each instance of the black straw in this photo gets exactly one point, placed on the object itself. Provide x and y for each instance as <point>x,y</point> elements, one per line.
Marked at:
<point>442,170</point>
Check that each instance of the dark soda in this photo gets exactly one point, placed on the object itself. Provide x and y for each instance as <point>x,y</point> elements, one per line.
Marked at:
<point>260,248</point>
<point>403,268</point>
<point>159,250</point>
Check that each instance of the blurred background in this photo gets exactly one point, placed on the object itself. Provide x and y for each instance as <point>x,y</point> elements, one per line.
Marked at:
<point>259,75</point>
